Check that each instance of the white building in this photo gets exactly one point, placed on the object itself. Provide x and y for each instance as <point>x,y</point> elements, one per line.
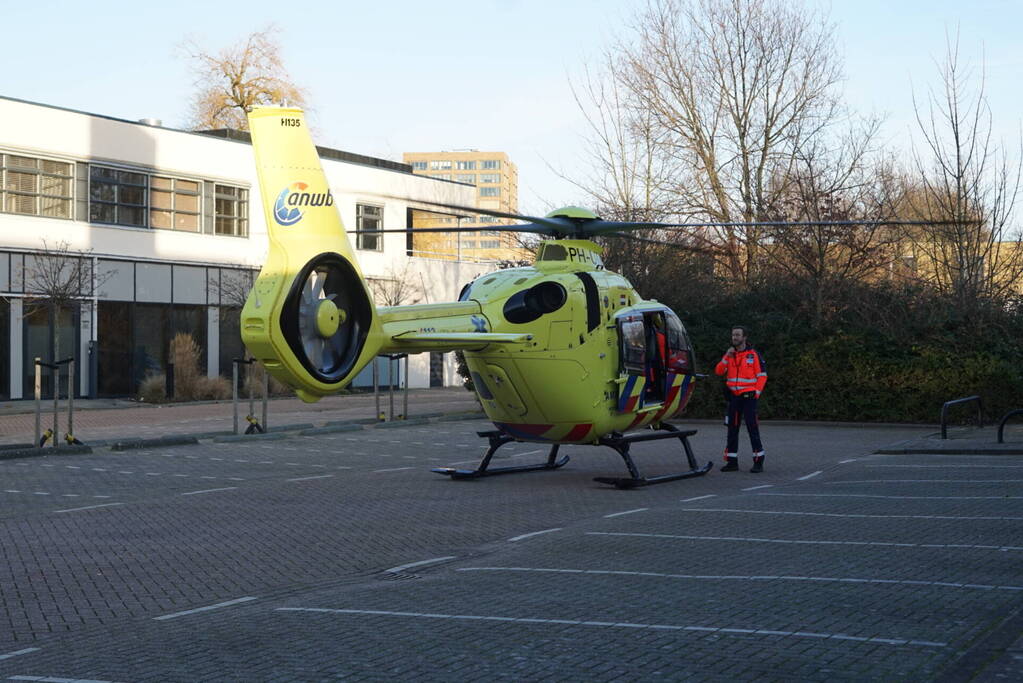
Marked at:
<point>174,227</point>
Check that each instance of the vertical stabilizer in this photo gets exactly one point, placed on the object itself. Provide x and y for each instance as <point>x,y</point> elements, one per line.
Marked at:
<point>309,317</point>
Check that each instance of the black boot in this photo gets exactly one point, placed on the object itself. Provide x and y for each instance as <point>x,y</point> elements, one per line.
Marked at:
<point>732,465</point>
<point>758,465</point>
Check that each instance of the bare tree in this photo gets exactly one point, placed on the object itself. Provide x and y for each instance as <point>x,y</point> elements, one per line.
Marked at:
<point>963,176</point>
<point>396,288</point>
<point>630,178</point>
<point>835,181</point>
<point>734,90</point>
<point>230,82</point>
<point>59,278</point>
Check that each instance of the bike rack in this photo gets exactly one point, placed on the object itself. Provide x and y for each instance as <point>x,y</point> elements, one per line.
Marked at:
<point>255,427</point>
<point>1001,425</point>
<point>40,438</point>
<point>945,407</point>
<point>391,359</point>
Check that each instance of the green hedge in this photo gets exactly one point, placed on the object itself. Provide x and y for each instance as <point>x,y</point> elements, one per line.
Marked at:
<point>897,358</point>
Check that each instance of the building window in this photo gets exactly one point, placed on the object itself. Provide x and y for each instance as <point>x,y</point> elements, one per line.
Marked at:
<point>117,197</point>
<point>369,218</point>
<point>37,187</point>
<point>490,177</point>
<point>490,244</point>
<point>174,204</point>
<point>465,165</point>
<point>440,176</point>
<point>444,165</point>
<point>491,164</point>
<point>232,210</point>
<point>466,178</point>
<point>490,192</point>
<point>419,165</point>
<point>490,219</point>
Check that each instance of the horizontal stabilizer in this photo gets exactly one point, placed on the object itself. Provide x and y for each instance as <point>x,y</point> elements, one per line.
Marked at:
<point>459,340</point>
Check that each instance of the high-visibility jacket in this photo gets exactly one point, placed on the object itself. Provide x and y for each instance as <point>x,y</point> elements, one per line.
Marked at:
<point>744,371</point>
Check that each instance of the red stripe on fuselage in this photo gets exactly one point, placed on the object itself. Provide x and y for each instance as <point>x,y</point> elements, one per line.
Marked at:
<point>579,432</point>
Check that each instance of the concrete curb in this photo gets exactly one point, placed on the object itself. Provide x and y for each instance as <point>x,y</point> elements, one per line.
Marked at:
<point>331,429</point>
<point>154,443</point>
<point>401,423</point>
<point>291,427</point>
<point>12,453</point>
<point>235,438</point>
<point>462,416</point>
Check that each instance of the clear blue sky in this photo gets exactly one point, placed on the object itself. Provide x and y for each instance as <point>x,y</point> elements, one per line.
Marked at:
<point>391,76</point>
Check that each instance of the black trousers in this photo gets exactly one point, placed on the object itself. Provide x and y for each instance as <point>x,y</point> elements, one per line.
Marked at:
<point>743,409</point>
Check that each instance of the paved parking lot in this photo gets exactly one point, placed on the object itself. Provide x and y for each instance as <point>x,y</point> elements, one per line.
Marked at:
<point>342,556</point>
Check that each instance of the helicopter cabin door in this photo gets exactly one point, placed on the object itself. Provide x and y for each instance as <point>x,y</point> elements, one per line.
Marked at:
<point>654,348</point>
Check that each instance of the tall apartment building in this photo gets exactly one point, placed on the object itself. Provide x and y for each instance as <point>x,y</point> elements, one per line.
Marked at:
<point>496,180</point>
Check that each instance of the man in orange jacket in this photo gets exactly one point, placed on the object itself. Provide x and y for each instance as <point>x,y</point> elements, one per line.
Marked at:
<point>745,376</point>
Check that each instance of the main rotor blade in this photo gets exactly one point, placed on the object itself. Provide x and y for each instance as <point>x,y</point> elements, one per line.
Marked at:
<point>600,227</point>
<point>494,228</point>
<point>558,225</point>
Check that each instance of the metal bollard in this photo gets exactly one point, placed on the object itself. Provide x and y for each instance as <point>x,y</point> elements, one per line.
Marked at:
<point>376,389</point>
<point>71,398</point>
<point>234,392</point>
<point>266,397</point>
<point>39,405</point>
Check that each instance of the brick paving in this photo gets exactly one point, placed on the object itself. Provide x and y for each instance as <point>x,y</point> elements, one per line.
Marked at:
<point>269,560</point>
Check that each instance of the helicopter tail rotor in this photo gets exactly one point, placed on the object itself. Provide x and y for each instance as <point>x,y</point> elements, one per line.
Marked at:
<point>309,316</point>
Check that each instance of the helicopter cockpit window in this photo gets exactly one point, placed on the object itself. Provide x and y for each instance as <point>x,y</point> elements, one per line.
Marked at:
<point>633,339</point>
<point>553,252</point>
<point>680,351</point>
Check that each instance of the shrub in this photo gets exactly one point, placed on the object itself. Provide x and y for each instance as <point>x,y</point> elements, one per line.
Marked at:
<point>153,389</point>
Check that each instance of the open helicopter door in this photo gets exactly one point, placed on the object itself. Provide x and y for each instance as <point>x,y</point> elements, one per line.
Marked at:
<point>655,353</point>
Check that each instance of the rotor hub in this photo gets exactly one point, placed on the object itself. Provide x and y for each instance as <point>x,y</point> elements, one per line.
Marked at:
<point>328,318</point>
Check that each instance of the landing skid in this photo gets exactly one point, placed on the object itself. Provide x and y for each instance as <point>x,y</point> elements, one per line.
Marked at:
<point>497,439</point>
<point>619,442</point>
<point>622,442</point>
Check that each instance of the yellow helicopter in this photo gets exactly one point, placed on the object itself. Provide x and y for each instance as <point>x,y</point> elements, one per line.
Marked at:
<point>560,352</point>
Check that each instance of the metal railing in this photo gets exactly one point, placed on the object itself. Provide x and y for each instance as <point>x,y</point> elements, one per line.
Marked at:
<point>1001,425</point>
<point>947,404</point>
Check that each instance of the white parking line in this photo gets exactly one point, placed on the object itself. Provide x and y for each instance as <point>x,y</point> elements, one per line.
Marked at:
<point>690,500</point>
<point>842,462</point>
<point>810,476</point>
<point>627,512</point>
<point>18,653</point>
<point>54,679</point>
<point>952,467</point>
<point>720,577</point>
<point>410,565</point>
<point>851,515</point>
<point>91,507</point>
<point>535,533</point>
<point>393,469</point>
<point>620,624</point>
<point>874,495</point>
<point>175,615</point>
<point>880,544</point>
<point>762,486</point>
<point>929,481</point>
<point>195,493</point>
<point>318,476</point>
